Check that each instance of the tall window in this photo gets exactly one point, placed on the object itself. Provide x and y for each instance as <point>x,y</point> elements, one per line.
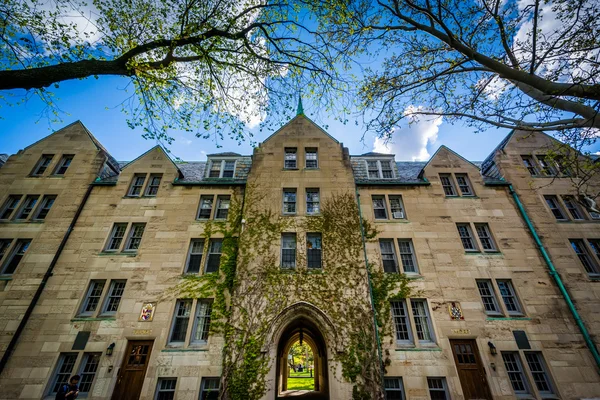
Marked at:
<point>209,389</point>
<point>466,237</point>
<point>312,201</point>
<point>407,255</point>
<point>201,326</point>
<point>312,158</point>
<point>116,237</point>
<point>516,375</point>
<point>593,243</point>
<point>590,265</point>
<point>290,158</point>
<point>488,297</point>
<point>135,237</point>
<point>42,165</point>
<point>554,205</point>
<point>63,164</point>
<point>10,205</point>
<point>401,322</point>
<point>88,370</point>
<point>113,299</point>
<point>165,389</point>
<point>153,185</point>
<point>397,207</point>
<point>4,245</point>
<point>137,184</point>
<point>288,250</point>
<point>313,250</point>
<point>181,319</point>
<point>379,207</point>
<point>27,207</point>
<point>214,255</point>
<point>539,371</point>
<point>44,208</point>
<point>380,169</point>
<point>92,298</point>
<point>546,166</point>
<point>438,389</point>
<point>194,260</point>
<point>63,371</point>
<point>464,184</point>
<point>507,291</point>
<point>529,163</point>
<point>388,255</point>
<point>206,204</point>
<point>15,257</point>
<point>223,203</point>
<point>572,207</point>
<point>447,184</point>
<point>394,389</point>
<point>485,237</point>
<point>422,320</point>
<point>289,201</point>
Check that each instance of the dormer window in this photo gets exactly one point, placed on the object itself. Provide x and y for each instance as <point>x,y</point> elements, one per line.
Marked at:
<point>221,169</point>
<point>380,169</point>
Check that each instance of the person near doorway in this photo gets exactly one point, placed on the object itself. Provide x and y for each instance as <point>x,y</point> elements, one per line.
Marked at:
<point>69,391</point>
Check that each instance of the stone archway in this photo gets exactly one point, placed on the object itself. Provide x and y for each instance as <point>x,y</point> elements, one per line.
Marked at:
<point>312,336</point>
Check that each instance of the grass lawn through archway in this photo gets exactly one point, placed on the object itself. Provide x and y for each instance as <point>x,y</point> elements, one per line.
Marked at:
<point>300,381</point>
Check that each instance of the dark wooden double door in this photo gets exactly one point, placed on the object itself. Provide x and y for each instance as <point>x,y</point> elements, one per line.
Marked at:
<point>470,369</point>
<point>133,370</point>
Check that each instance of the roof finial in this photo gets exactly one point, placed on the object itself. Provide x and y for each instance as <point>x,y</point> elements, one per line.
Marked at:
<point>300,108</point>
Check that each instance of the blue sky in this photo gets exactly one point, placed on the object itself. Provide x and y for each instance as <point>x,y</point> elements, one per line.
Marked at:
<point>96,103</point>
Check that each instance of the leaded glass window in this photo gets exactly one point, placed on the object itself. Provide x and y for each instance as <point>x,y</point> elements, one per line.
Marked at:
<point>290,158</point>
<point>289,201</point>
<point>288,250</point>
<point>312,160</point>
<point>464,184</point>
<point>312,201</point>
<point>447,184</point>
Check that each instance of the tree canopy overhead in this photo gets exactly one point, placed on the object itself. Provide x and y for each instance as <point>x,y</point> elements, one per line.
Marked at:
<point>198,65</point>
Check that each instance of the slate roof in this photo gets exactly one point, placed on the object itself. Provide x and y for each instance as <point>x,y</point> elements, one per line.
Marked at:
<point>3,158</point>
<point>225,154</point>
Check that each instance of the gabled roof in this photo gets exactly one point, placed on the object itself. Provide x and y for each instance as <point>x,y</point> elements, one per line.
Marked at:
<point>295,118</point>
<point>375,154</point>
<point>443,147</point>
<point>224,154</point>
<point>150,150</point>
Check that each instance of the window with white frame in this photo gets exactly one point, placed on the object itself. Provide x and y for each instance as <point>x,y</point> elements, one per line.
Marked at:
<point>588,261</point>
<point>312,158</point>
<point>485,237</point>
<point>201,327</point>
<point>214,255</point>
<point>288,250</point>
<point>466,237</point>
<point>15,256</point>
<point>223,203</point>
<point>312,201</point>
<point>388,255</point>
<point>44,208</point>
<point>401,321</point>
<point>407,256</point>
<point>422,320</point>
<point>165,389</point>
<point>181,320</point>
<point>87,371</point>
<point>488,297</point>
<point>206,204</point>
<point>380,169</point>
<point>379,207</point>
<point>555,207</point>
<point>42,165</point>
<point>221,169</point>
<point>394,388</point>
<point>27,207</point>
<point>113,297</point>
<point>289,201</point>
<point>135,237</point>
<point>516,373</point>
<point>63,371</point>
<point>290,158</point>
<point>63,164</point>
<point>194,259</point>
<point>509,297</point>
<point>464,184</point>
<point>573,208</point>
<point>438,389</point>
<point>137,185</point>
<point>397,207</point>
<point>539,372</point>
<point>529,163</point>
<point>313,250</point>
<point>92,298</point>
<point>153,185</point>
<point>448,185</point>
<point>10,205</point>
<point>209,388</point>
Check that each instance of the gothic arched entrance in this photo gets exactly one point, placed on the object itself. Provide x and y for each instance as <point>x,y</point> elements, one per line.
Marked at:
<point>302,329</point>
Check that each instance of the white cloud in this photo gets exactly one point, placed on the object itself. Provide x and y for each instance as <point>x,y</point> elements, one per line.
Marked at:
<point>410,142</point>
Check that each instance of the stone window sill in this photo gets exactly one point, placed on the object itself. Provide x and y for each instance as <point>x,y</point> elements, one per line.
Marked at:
<point>85,319</point>
<point>508,319</point>
<point>179,350</point>
<point>117,253</point>
<point>418,349</point>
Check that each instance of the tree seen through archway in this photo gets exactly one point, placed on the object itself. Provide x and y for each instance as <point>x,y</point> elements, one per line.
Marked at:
<point>301,367</point>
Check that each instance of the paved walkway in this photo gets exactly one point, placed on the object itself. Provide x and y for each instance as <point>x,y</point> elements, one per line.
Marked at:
<point>303,395</point>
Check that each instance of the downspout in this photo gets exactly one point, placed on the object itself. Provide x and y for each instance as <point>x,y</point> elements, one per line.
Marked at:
<point>13,342</point>
<point>556,276</point>
<point>375,326</point>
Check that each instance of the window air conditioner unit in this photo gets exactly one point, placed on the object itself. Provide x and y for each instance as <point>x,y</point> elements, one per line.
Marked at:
<point>398,214</point>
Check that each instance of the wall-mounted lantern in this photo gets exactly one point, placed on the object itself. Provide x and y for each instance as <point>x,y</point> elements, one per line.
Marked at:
<point>109,349</point>
<point>493,350</point>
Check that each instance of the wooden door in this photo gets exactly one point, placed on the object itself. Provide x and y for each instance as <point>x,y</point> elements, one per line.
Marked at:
<point>470,369</point>
<point>133,370</point>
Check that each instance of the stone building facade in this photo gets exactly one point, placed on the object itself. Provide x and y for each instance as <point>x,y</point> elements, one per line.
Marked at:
<point>94,252</point>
